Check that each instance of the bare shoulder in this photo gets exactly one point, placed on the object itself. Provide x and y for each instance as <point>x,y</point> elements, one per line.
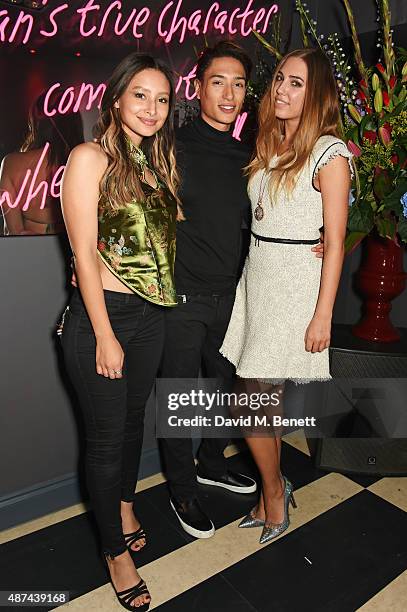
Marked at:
<point>12,159</point>
<point>91,154</point>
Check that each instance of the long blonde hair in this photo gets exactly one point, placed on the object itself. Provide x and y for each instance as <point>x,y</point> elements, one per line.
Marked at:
<point>320,116</point>
<point>121,183</point>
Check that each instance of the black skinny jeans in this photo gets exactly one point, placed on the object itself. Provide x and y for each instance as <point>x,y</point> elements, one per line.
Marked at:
<point>113,409</point>
<point>194,335</point>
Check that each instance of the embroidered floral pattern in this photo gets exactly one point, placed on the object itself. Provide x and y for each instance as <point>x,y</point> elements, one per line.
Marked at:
<point>138,245</point>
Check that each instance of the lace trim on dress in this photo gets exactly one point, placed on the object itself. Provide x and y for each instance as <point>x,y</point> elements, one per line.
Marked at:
<point>296,381</point>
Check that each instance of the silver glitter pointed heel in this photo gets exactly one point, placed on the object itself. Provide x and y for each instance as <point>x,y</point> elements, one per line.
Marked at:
<point>271,531</point>
<point>251,521</point>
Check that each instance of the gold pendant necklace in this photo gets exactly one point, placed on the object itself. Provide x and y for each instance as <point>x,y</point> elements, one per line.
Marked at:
<point>259,210</point>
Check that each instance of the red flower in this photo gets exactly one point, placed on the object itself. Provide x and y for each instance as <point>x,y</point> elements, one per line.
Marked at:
<point>392,82</point>
<point>363,83</point>
<point>354,149</point>
<point>395,159</point>
<point>101,246</point>
<point>386,99</point>
<point>370,135</point>
<point>380,68</point>
<point>387,126</point>
<point>384,136</point>
<point>361,95</point>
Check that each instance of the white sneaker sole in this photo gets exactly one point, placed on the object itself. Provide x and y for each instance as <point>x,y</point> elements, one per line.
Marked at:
<point>191,530</point>
<point>214,483</point>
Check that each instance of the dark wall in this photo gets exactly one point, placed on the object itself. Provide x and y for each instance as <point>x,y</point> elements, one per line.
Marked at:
<point>39,420</point>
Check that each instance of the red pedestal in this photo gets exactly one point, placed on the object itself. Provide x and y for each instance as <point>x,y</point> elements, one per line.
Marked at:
<point>380,279</point>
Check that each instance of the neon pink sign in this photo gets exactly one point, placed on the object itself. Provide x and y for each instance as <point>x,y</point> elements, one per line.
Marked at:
<point>138,17</point>
<point>34,189</point>
<point>239,21</point>
<point>87,95</point>
<point>174,22</point>
<point>240,121</point>
<point>72,99</point>
<point>189,87</point>
<point>54,186</point>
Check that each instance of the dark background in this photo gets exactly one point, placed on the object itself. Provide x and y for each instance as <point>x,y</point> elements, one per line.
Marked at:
<point>39,421</point>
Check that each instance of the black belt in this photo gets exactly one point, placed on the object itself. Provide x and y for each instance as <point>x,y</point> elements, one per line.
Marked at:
<point>281,240</point>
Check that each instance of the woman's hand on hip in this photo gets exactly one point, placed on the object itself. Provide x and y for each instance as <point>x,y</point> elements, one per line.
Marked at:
<point>109,357</point>
<point>318,334</point>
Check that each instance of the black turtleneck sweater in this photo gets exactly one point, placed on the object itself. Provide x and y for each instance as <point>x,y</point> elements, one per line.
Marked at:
<point>215,204</point>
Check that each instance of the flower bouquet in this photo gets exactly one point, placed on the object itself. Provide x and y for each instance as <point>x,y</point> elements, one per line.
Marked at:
<point>373,123</point>
<point>374,126</point>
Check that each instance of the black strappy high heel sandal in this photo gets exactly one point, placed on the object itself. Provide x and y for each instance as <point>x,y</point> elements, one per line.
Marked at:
<point>130,538</point>
<point>127,596</point>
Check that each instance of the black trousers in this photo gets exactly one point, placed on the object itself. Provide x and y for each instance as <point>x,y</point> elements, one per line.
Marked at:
<point>113,409</point>
<point>194,335</point>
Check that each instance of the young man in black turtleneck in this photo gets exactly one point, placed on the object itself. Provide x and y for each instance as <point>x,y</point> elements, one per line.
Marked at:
<point>210,249</point>
<point>215,203</point>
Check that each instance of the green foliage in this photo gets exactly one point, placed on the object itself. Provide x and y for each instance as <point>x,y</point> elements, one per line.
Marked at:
<point>373,123</point>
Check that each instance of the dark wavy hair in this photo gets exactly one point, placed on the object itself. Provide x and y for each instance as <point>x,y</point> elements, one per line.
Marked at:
<point>224,48</point>
<point>62,132</point>
<point>120,182</point>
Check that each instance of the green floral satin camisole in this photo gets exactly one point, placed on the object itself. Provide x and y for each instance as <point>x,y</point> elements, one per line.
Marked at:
<point>137,243</point>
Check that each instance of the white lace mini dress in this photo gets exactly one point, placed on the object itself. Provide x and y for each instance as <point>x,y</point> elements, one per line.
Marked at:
<point>278,290</point>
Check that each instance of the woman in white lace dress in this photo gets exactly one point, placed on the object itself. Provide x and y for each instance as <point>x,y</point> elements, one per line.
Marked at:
<point>299,180</point>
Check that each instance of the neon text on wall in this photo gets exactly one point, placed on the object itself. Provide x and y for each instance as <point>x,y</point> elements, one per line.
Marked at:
<point>87,96</point>
<point>53,187</point>
<point>72,100</point>
<point>173,21</point>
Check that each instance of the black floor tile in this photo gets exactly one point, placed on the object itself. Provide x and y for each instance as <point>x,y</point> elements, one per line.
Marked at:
<point>66,556</point>
<point>224,506</point>
<point>214,594</point>
<point>364,480</point>
<point>355,550</point>
<point>221,505</point>
<point>298,467</point>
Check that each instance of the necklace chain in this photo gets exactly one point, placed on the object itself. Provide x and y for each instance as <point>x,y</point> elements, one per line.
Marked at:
<point>259,210</point>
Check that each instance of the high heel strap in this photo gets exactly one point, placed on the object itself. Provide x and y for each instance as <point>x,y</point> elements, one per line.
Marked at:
<point>127,596</point>
<point>130,538</point>
<point>140,587</point>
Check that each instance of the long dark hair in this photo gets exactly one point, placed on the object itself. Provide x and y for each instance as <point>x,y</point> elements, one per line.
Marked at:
<point>62,132</point>
<point>120,183</point>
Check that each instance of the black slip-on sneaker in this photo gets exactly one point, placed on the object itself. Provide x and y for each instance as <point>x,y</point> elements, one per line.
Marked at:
<point>192,518</point>
<point>233,481</point>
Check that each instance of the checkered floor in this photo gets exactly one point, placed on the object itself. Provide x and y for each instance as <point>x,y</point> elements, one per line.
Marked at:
<point>345,549</point>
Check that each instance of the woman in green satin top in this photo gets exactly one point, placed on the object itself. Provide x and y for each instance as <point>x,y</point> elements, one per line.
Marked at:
<point>120,206</point>
<point>137,242</point>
